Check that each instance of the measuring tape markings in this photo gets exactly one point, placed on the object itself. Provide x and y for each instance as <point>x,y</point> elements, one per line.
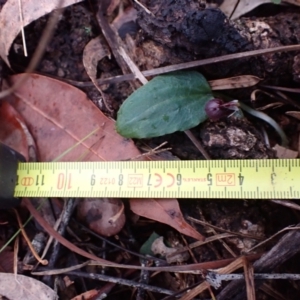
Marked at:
<point>274,178</point>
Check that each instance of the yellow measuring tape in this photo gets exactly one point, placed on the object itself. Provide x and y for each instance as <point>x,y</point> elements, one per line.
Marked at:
<point>234,179</point>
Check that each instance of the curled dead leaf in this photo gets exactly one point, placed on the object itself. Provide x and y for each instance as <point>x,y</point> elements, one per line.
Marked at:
<point>236,82</point>
<point>16,286</point>
<point>166,211</point>
<point>284,153</point>
<point>104,216</point>
<point>10,22</point>
<point>158,247</point>
<point>93,52</point>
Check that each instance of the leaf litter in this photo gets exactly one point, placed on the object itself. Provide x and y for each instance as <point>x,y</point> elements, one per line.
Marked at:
<point>65,118</point>
<point>10,23</point>
<point>16,286</point>
<point>86,146</point>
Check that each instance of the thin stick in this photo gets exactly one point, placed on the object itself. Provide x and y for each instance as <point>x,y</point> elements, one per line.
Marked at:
<point>282,88</point>
<point>286,203</point>
<point>37,257</point>
<point>186,65</point>
<point>16,251</point>
<point>51,238</point>
<point>272,237</point>
<point>248,236</point>
<point>144,7</point>
<point>234,9</point>
<point>22,28</point>
<point>197,144</point>
<point>122,281</point>
<point>153,151</point>
<point>48,32</point>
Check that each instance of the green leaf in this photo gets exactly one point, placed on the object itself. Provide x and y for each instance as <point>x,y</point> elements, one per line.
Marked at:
<point>167,103</point>
<point>146,247</point>
<point>276,1</point>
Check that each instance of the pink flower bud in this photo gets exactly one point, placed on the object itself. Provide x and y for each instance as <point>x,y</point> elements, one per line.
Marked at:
<point>215,110</point>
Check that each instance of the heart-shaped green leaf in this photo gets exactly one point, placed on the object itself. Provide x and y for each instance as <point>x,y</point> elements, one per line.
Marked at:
<point>167,103</point>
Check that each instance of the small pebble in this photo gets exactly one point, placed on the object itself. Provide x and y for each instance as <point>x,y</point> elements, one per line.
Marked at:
<point>60,72</point>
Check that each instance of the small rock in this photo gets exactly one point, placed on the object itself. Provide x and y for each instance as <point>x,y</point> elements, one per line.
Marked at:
<point>60,72</point>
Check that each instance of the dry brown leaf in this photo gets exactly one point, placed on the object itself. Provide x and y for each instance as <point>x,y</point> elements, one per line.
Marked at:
<point>284,153</point>
<point>10,23</point>
<point>11,131</point>
<point>94,51</point>
<point>16,287</point>
<point>246,6</point>
<point>242,8</point>
<point>236,82</point>
<point>6,259</point>
<point>60,119</point>
<point>166,211</point>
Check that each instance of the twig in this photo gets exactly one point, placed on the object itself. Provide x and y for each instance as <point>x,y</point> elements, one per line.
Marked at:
<point>16,251</point>
<point>224,244</point>
<point>272,237</point>
<point>197,144</point>
<point>22,28</point>
<point>282,88</point>
<point>62,270</point>
<point>153,151</point>
<point>217,237</point>
<point>234,9</point>
<point>120,54</point>
<point>144,279</point>
<point>236,264</point>
<point>122,282</point>
<point>48,32</point>
<point>65,218</point>
<point>249,236</point>
<point>286,203</point>
<point>144,7</point>
<point>51,238</point>
<point>192,268</point>
<point>149,258</point>
<point>186,65</point>
<point>216,279</point>
<point>44,261</point>
<point>286,247</point>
